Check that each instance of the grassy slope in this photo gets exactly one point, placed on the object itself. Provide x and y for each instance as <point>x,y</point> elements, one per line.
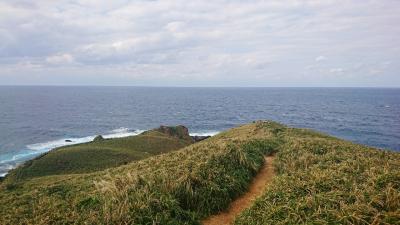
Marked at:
<point>179,187</point>
<point>323,180</point>
<point>99,155</point>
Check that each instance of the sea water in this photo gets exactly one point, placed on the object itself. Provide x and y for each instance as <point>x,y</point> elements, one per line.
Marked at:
<point>34,119</point>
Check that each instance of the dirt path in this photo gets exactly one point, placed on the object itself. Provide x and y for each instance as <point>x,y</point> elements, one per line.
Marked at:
<point>256,189</point>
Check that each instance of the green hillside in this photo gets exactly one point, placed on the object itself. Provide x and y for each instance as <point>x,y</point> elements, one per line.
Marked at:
<point>320,180</point>
<point>323,180</point>
<point>101,153</point>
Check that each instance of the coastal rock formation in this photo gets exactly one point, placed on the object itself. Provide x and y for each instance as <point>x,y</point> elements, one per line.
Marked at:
<point>199,138</point>
<point>179,131</point>
<point>98,138</point>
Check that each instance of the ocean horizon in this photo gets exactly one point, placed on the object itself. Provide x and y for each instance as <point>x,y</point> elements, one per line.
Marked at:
<point>36,119</point>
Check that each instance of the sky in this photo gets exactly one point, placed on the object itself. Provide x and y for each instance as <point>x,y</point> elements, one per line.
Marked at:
<point>352,43</point>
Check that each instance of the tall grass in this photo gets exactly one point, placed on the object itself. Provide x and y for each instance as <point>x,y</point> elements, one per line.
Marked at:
<point>323,180</point>
<point>199,190</point>
<point>179,187</point>
<point>99,155</point>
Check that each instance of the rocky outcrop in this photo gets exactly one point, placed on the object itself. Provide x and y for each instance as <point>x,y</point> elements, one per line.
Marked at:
<point>181,132</point>
<point>98,138</point>
<point>177,131</point>
<point>199,138</point>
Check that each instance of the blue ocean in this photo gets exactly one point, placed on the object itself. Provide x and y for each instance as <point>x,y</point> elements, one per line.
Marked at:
<point>35,119</point>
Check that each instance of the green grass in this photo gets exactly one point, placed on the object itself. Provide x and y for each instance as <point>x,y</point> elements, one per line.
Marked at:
<point>179,187</point>
<point>321,180</point>
<point>99,155</point>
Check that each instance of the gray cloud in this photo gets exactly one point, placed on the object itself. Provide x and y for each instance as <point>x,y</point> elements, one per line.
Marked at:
<point>176,42</point>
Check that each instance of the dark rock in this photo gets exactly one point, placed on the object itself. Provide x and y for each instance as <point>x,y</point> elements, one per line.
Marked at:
<point>199,138</point>
<point>68,140</point>
<point>178,131</point>
<point>98,138</point>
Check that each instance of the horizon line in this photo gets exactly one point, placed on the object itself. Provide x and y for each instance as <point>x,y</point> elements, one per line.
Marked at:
<point>181,86</point>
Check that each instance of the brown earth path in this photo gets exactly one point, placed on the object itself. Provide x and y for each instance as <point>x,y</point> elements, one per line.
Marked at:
<point>256,189</point>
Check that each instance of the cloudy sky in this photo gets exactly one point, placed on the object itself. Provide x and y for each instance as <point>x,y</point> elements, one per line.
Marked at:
<point>200,43</point>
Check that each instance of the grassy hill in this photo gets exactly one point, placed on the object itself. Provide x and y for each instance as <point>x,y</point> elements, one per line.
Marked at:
<point>321,180</point>
<point>324,180</point>
<point>101,153</point>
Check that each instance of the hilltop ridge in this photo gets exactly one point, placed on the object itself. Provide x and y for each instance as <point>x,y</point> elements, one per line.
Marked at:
<point>319,179</point>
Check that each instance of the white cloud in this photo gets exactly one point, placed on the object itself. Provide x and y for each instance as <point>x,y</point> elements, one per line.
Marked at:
<point>222,40</point>
<point>60,59</point>
<point>375,71</point>
<point>175,26</point>
<point>336,70</point>
<point>320,58</point>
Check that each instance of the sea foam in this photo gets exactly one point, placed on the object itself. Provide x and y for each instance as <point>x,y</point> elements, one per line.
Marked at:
<point>36,149</point>
<point>205,133</point>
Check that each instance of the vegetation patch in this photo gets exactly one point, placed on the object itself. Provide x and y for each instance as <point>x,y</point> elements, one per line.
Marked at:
<point>99,154</point>
<point>178,187</point>
<point>323,180</point>
<point>88,203</point>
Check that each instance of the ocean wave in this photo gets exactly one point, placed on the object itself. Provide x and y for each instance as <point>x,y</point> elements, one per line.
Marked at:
<point>205,133</point>
<point>4,168</point>
<point>121,130</point>
<point>36,149</point>
<point>117,133</point>
<point>19,157</point>
<point>44,146</point>
<point>33,150</point>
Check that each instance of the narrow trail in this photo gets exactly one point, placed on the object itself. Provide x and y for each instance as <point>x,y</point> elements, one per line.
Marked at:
<point>256,189</point>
